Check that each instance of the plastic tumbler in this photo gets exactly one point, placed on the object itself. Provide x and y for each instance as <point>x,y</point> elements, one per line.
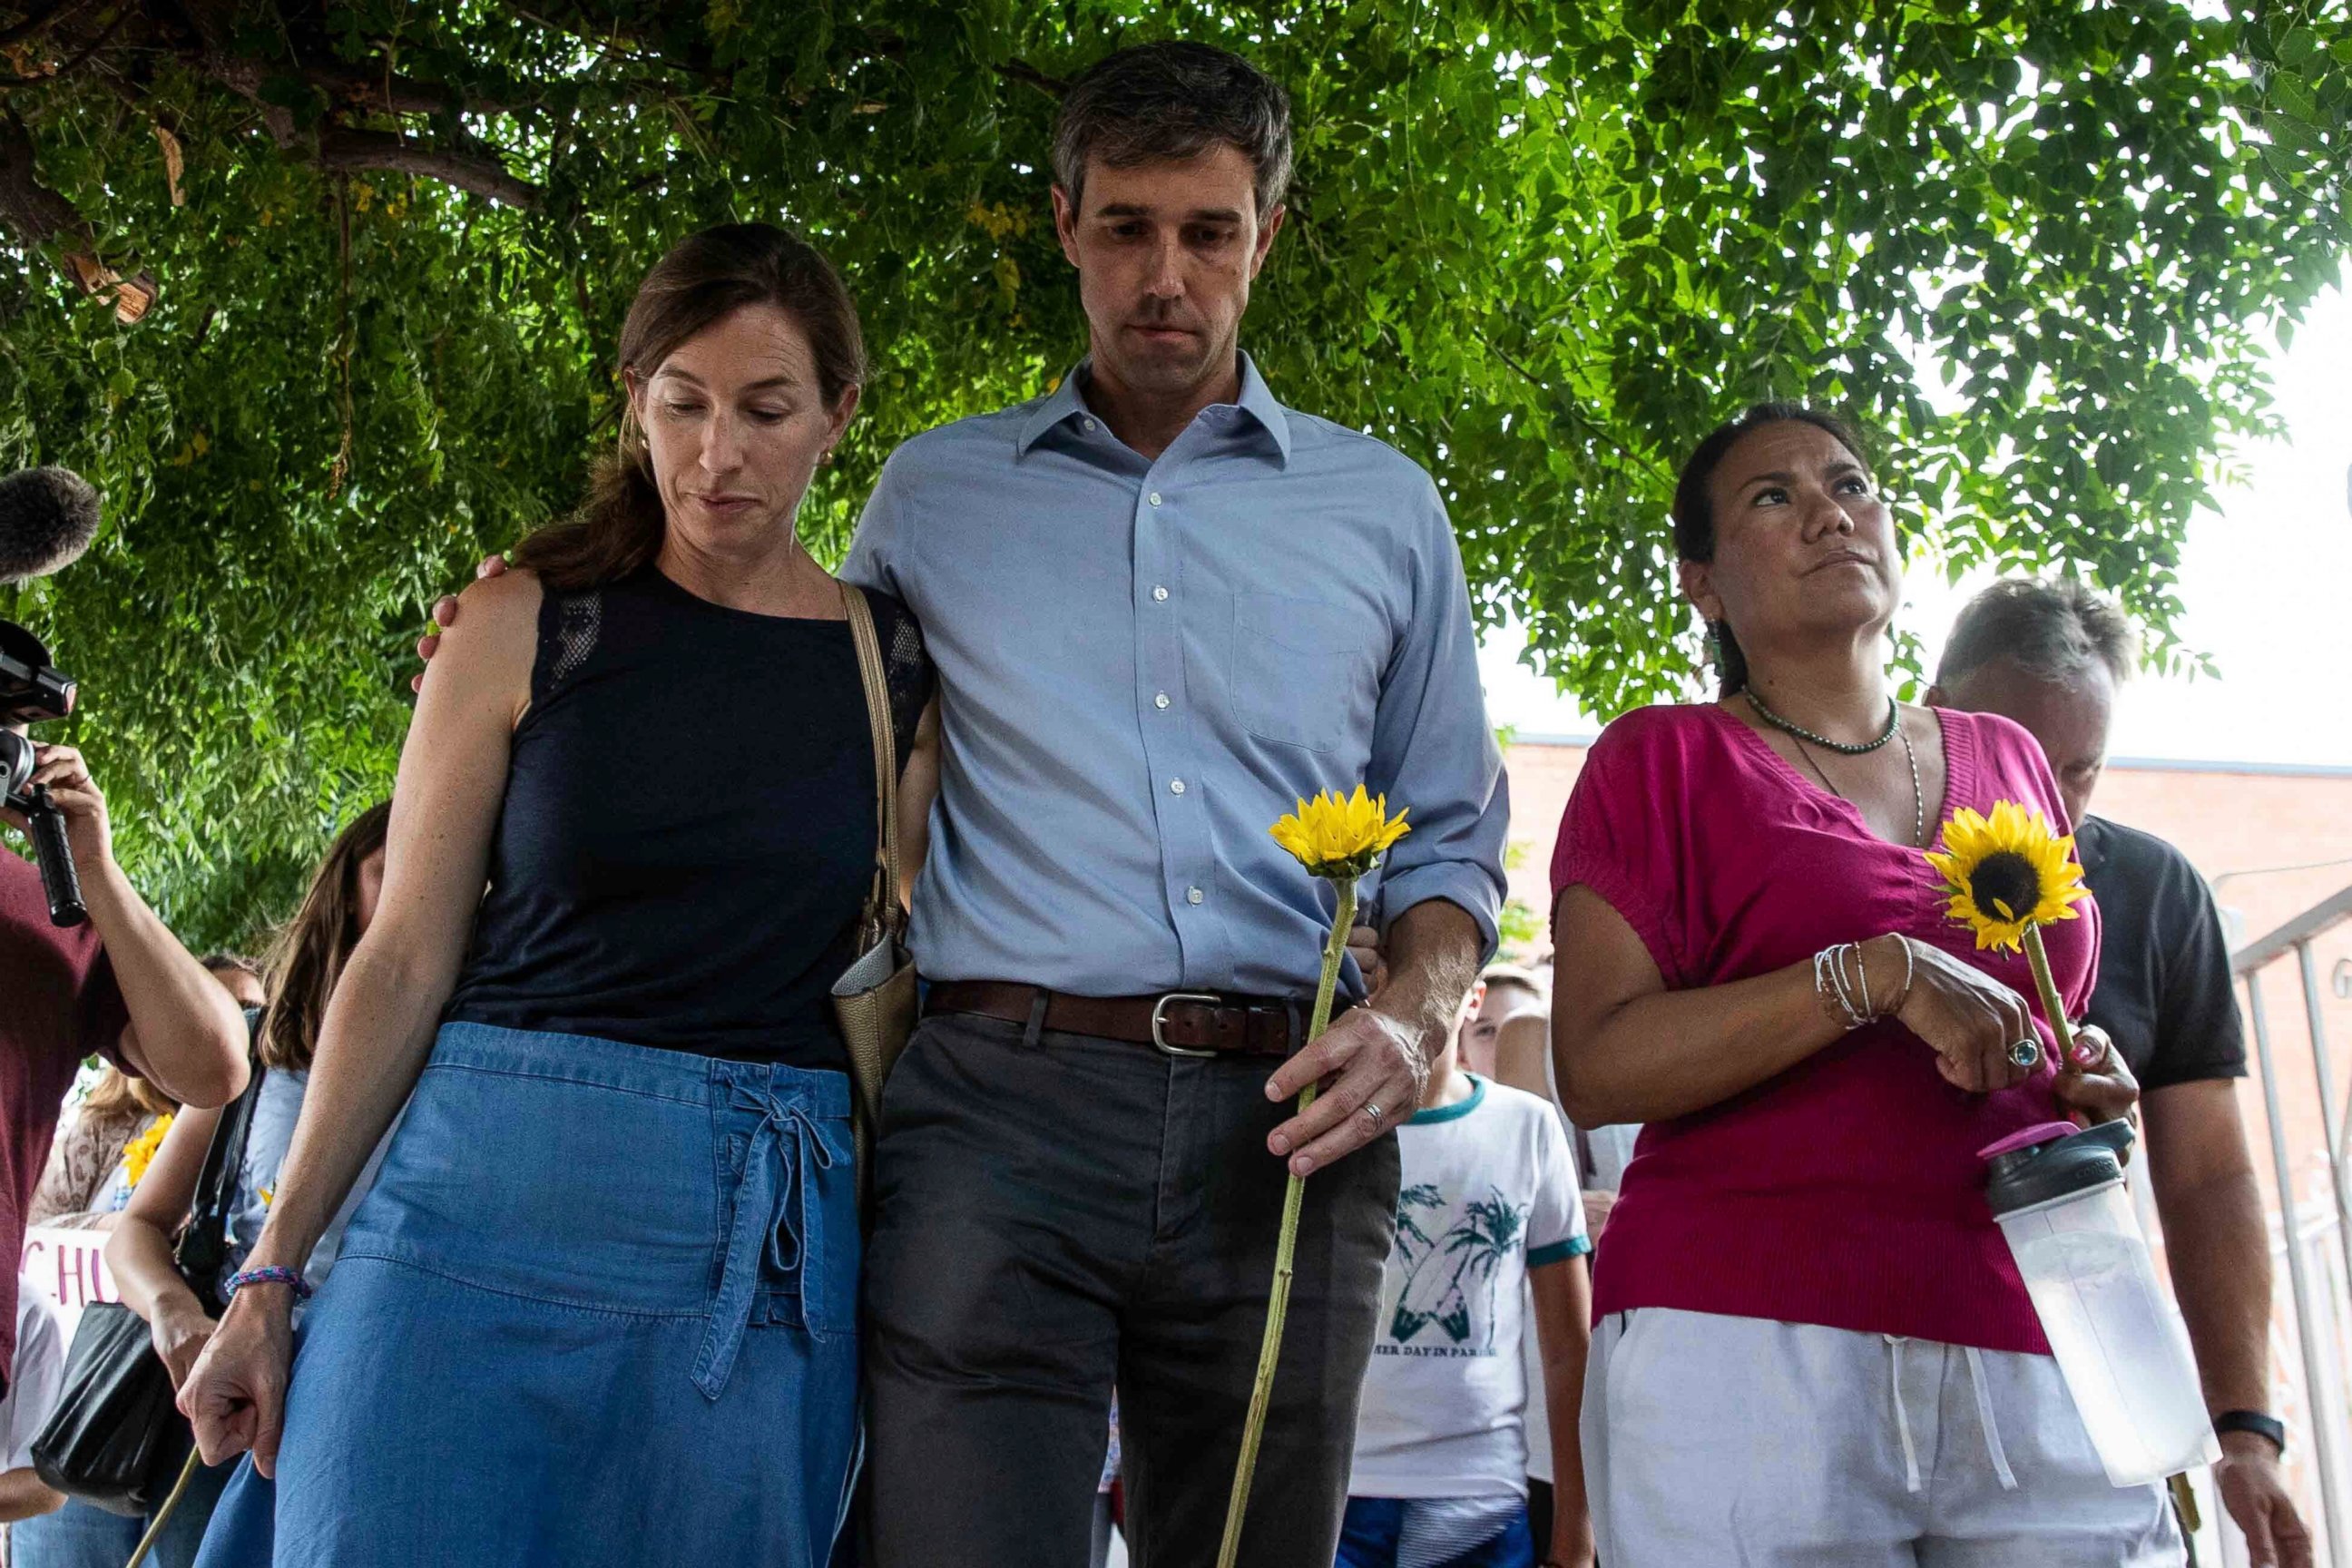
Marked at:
<point>2120,1345</point>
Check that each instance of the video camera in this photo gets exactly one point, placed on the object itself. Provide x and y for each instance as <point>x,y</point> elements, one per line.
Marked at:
<point>48,518</point>
<point>33,689</point>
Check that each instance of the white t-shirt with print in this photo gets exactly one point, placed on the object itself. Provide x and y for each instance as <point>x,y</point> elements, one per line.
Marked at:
<point>36,1379</point>
<point>1489,1192</point>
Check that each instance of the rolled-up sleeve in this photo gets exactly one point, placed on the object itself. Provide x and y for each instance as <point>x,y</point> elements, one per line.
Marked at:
<point>1433,750</point>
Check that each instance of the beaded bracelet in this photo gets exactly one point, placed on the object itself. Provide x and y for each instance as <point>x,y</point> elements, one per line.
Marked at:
<point>276,1273</point>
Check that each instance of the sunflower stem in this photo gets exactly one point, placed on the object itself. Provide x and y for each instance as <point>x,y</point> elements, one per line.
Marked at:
<point>1285,1249</point>
<point>2051,1007</point>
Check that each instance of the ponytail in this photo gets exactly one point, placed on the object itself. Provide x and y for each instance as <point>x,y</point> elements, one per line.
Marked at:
<point>1730,664</point>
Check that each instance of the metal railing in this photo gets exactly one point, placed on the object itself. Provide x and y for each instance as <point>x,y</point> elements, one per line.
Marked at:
<point>2315,1281</point>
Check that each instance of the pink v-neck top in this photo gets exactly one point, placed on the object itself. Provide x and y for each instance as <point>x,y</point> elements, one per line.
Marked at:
<point>1846,1191</point>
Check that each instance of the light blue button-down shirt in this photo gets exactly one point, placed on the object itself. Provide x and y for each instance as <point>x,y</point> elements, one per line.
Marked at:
<point>1142,664</point>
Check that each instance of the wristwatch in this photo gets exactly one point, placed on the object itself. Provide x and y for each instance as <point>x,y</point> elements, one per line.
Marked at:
<point>2255,1421</point>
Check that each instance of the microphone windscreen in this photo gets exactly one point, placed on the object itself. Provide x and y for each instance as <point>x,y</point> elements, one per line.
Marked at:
<point>48,518</point>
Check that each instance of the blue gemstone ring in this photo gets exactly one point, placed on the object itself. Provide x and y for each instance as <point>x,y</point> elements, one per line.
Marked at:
<point>2026,1054</point>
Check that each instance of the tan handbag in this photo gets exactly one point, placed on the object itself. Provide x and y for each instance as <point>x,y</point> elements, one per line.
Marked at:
<point>875,997</point>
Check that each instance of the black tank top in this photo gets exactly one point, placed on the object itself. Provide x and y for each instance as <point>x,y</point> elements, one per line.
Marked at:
<point>688,835</point>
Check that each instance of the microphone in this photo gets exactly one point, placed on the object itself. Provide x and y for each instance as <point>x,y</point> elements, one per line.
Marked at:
<point>48,518</point>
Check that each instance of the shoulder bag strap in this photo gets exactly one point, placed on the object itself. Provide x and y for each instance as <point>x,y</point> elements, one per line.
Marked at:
<point>882,912</point>
<point>205,1244</point>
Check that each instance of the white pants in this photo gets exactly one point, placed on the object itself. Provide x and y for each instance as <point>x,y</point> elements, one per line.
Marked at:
<point>1744,1441</point>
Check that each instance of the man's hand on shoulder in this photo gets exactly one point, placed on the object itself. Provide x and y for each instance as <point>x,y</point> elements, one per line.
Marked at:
<point>444,616</point>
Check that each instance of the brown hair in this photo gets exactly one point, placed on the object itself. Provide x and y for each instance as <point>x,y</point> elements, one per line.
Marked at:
<point>225,963</point>
<point>706,277</point>
<point>311,949</point>
<point>118,1093</point>
<point>1170,102</point>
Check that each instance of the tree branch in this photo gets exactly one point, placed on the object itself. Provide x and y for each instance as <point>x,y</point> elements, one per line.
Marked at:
<point>1053,87</point>
<point>37,213</point>
<point>41,218</point>
<point>244,77</point>
<point>482,174</point>
<point>881,45</point>
<point>40,22</point>
<point>361,88</point>
<point>80,57</point>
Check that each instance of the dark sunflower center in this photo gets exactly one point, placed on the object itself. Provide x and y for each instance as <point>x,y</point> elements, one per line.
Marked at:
<point>2005,883</point>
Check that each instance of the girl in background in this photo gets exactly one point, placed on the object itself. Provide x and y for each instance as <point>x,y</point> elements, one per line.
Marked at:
<point>304,964</point>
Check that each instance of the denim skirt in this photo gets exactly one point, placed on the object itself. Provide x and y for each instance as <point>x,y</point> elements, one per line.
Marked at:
<point>600,1309</point>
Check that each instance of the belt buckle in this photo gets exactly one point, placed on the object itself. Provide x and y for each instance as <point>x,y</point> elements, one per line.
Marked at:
<point>1159,1017</point>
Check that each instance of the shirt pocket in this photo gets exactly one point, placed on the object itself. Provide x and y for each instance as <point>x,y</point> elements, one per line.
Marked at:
<point>1303,671</point>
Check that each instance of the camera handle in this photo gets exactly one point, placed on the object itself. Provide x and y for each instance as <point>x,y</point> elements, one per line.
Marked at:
<point>59,880</point>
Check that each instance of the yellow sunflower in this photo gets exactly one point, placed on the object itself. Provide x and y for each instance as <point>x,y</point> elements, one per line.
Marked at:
<point>140,1152</point>
<point>2007,873</point>
<point>1337,837</point>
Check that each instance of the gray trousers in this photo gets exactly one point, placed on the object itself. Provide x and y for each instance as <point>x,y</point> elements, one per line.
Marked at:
<point>1056,1213</point>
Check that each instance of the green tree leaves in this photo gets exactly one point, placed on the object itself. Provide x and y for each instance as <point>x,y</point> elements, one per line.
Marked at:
<point>1540,247</point>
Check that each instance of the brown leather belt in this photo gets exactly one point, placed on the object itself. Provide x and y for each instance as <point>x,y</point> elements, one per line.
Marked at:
<point>1179,1022</point>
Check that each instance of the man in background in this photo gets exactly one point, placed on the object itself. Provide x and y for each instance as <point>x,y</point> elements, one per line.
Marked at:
<point>2050,655</point>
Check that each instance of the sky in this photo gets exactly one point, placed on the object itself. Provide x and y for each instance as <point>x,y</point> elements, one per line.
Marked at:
<point>2265,581</point>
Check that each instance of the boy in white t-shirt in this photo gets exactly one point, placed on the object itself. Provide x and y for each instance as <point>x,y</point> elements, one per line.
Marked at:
<point>1488,1218</point>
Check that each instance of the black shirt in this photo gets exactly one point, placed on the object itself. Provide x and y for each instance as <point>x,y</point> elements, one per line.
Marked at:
<point>2164,995</point>
<point>689,831</point>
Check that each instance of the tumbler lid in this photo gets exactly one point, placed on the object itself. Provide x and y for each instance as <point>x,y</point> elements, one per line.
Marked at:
<point>2052,1161</point>
<point>2028,1137</point>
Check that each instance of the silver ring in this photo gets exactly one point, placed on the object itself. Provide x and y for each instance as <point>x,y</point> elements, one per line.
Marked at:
<point>1374,1111</point>
<point>2026,1054</point>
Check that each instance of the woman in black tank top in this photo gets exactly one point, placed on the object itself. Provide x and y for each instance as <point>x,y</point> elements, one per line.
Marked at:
<point>600,1307</point>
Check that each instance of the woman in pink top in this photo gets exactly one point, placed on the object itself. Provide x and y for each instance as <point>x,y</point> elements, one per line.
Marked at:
<point>1811,1344</point>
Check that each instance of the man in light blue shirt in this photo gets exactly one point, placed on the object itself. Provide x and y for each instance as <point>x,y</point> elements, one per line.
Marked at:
<point>1162,607</point>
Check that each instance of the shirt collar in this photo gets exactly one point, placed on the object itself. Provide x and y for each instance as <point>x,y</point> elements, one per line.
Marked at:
<point>1061,403</point>
<point>2091,844</point>
<point>1067,401</point>
<point>1258,402</point>
<point>1462,1107</point>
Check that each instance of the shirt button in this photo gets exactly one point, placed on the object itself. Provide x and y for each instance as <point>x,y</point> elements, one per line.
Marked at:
<point>1160,593</point>
<point>1193,895</point>
<point>1160,701</point>
<point>1175,787</point>
<point>1155,497</point>
<point>1091,426</point>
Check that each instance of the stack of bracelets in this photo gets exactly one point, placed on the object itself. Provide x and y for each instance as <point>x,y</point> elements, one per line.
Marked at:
<point>1847,1001</point>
